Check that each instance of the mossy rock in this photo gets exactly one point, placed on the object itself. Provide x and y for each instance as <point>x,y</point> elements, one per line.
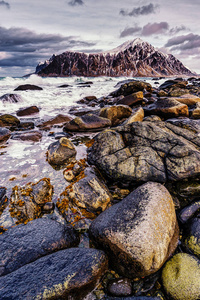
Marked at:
<point>191,237</point>
<point>181,277</point>
<point>7,120</point>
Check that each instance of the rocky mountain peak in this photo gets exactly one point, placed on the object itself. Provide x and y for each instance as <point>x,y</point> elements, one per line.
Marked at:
<point>133,58</point>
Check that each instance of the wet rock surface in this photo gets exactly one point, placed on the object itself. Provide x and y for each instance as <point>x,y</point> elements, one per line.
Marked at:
<point>28,111</point>
<point>9,121</point>
<point>61,152</point>
<point>11,98</point>
<point>66,273</point>
<point>146,151</point>
<point>116,113</point>
<point>191,237</point>
<point>26,243</point>
<point>34,136</point>
<point>134,248</point>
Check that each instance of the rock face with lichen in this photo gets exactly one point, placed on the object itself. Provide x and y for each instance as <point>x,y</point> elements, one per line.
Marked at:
<point>133,58</point>
<point>26,203</point>
<point>84,198</point>
<point>147,151</point>
<point>140,232</point>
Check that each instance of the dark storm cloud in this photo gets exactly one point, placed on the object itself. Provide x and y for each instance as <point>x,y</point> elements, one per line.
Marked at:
<point>4,4</point>
<point>76,2</point>
<point>155,28</point>
<point>184,42</point>
<point>177,29</point>
<point>141,10</point>
<point>26,48</point>
<point>129,31</point>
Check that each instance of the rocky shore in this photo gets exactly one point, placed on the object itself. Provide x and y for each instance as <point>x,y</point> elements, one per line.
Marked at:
<point>126,224</point>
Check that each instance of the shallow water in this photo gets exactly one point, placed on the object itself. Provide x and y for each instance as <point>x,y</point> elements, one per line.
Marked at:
<point>21,161</point>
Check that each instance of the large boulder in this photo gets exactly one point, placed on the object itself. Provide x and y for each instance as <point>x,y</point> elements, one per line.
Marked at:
<point>4,134</point>
<point>116,113</point>
<point>181,277</point>
<point>88,122</point>
<point>26,87</point>
<point>146,151</point>
<point>140,232</point>
<point>132,87</point>
<point>187,99</point>
<point>66,274</point>
<point>26,243</point>
<point>26,203</point>
<point>61,152</point>
<point>167,108</point>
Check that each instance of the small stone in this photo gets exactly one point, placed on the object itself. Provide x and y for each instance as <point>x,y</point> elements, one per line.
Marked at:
<point>25,87</point>
<point>4,134</point>
<point>120,287</point>
<point>189,211</point>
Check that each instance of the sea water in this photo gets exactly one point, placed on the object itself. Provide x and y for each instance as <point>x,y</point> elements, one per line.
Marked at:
<point>23,161</point>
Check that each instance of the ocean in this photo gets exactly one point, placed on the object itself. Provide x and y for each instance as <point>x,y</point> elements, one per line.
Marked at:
<point>23,161</point>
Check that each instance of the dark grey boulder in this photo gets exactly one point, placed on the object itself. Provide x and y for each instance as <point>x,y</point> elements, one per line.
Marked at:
<point>61,152</point>
<point>67,273</point>
<point>139,233</point>
<point>26,243</point>
<point>4,134</point>
<point>189,211</point>
<point>146,151</point>
<point>26,87</point>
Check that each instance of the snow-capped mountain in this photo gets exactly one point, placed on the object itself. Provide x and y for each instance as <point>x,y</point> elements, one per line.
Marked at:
<point>132,58</point>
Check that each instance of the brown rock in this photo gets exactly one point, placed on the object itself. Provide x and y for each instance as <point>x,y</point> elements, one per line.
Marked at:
<point>196,112</point>
<point>116,113</point>
<point>59,119</point>
<point>25,87</point>
<point>188,99</point>
<point>131,99</point>
<point>137,116</point>
<point>34,136</point>
<point>27,111</point>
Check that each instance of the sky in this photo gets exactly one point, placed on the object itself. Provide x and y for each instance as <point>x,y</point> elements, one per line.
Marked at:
<point>32,31</point>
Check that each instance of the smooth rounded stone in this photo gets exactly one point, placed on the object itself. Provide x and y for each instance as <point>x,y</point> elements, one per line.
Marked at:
<point>132,99</point>
<point>11,98</point>
<point>116,113</point>
<point>196,111</point>
<point>9,121</point>
<point>61,152</point>
<point>34,136</point>
<point>191,237</point>
<point>28,111</point>
<point>64,86</point>
<point>26,243</point>
<point>66,274</point>
<point>188,99</point>
<point>189,211</point>
<point>146,151</point>
<point>132,87</point>
<point>90,98</point>
<point>181,277</point>
<point>120,287</point>
<point>84,199</point>
<point>58,120</point>
<point>26,202</point>
<point>167,108</point>
<point>173,83</point>
<point>140,232</point>
<point>88,122</point>
<point>137,116</point>
<point>26,87</point>
<point>4,134</point>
